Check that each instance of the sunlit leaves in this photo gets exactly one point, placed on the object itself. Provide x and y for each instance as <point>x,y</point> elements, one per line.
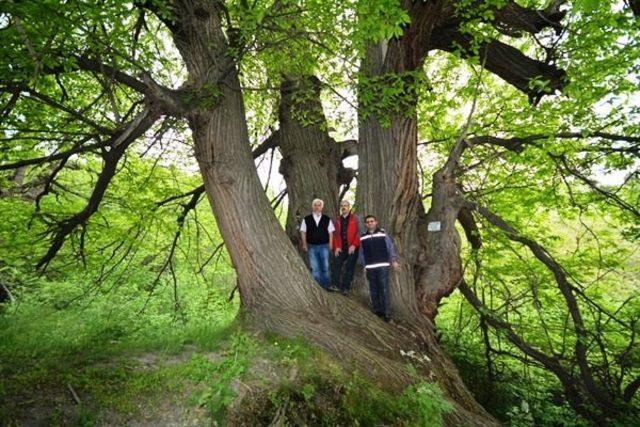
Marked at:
<point>389,94</point>
<point>380,20</point>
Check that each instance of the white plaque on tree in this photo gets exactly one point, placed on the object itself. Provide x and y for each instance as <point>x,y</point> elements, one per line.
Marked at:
<point>434,226</point>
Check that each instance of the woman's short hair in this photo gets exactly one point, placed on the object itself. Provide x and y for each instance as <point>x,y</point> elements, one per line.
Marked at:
<point>317,201</point>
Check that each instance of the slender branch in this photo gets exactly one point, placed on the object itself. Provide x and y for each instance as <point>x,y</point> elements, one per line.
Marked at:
<point>55,104</point>
<point>461,143</point>
<point>77,149</point>
<point>517,143</point>
<point>278,199</point>
<point>48,184</point>
<point>118,143</point>
<point>6,110</point>
<point>565,289</point>
<point>186,208</point>
<point>271,142</point>
<point>216,250</point>
<point>550,362</point>
<point>171,100</point>
<point>593,185</point>
<point>29,45</point>
<point>196,191</point>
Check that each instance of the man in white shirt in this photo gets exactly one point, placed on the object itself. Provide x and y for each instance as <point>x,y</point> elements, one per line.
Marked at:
<point>316,231</point>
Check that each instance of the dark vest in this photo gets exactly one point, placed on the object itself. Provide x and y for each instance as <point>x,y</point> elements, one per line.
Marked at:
<point>374,249</point>
<point>317,234</point>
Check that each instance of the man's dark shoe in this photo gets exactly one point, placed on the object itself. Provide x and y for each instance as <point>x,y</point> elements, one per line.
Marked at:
<point>386,318</point>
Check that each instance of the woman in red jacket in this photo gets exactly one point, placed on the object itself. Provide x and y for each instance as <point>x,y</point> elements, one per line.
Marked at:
<point>346,241</point>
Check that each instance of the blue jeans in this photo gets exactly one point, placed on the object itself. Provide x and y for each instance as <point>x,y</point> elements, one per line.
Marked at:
<point>378,279</point>
<point>319,262</point>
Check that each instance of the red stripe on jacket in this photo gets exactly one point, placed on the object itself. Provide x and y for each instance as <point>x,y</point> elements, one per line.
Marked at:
<point>353,239</point>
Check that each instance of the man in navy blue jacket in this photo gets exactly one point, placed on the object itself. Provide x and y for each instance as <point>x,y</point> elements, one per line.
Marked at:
<point>377,254</point>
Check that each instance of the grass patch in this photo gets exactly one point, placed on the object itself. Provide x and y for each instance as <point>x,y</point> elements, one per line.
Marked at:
<point>114,357</point>
<point>127,367</point>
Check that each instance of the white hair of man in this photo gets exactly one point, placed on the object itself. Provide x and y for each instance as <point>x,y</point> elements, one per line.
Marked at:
<point>317,201</point>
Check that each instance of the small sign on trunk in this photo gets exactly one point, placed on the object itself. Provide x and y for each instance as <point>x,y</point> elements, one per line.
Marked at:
<point>434,226</point>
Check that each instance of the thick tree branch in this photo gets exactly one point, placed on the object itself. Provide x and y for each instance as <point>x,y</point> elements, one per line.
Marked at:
<point>512,19</point>
<point>349,148</point>
<point>631,389</point>
<point>512,144</point>
<point>90,64</point>
<point>505,61</point>
<point>153,7</point>
<point>170,100</point>
<point>272,141</point>
<point>465,218</point>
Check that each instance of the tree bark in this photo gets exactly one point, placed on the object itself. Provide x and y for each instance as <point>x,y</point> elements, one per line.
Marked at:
<point>635,7</point>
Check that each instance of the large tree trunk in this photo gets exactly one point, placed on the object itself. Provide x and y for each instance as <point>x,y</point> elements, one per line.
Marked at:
<point>388,180</point>
<point>277,291</point>
<point>310,161</point>
<point>388,188</point>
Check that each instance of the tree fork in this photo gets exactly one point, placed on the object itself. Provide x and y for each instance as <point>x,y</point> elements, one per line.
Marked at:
<point>277,291</point>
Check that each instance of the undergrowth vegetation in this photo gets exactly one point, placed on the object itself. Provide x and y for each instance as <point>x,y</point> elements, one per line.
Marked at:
<point>98,360</point>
